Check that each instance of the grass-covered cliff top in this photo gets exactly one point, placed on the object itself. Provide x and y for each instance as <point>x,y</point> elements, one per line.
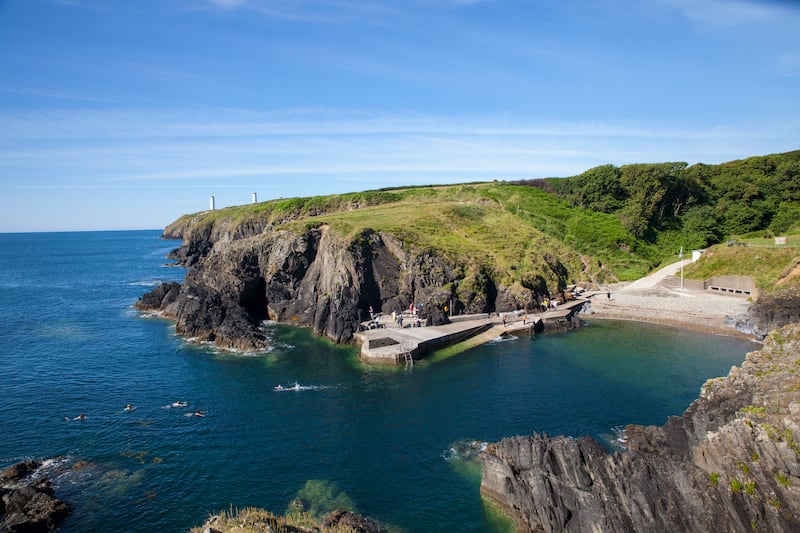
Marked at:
<point>504,227</point>
<point>607,223</point>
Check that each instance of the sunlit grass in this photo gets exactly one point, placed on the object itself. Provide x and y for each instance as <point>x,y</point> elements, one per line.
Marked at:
<point>520,234</point>
<point>767,266</point>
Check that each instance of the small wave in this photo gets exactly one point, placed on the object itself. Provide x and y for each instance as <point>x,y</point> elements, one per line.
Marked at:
<point>622,438</point>
<point>464,449</point>
<point>151,314</point>
<point>299,388</point>
<point>615,439</point>
<point>217,350</point>
<point>146,283</point>
<point>269,328</point>
<point>503,338</point>
<point>237,352</point>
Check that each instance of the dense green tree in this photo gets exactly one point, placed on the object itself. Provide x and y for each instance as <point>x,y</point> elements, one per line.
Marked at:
<point>656,199</point>
<point>701,227</point>
<point>740,217</point>
<point>787,175</point>
<point>654,194</point>
<point>788,215</point>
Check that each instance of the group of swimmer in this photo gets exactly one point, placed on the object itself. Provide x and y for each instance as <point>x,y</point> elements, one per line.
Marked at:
<point>130,407</point>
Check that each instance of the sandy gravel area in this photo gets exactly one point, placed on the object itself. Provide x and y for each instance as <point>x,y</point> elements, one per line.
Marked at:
<point>646,300</point>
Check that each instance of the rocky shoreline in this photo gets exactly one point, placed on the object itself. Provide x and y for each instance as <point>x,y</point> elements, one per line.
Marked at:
<point>731,462</point>
<point>319,279</point>
<point>27,501</point>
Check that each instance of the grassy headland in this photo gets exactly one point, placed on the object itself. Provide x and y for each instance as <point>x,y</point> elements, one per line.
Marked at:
<point>606,224</point>
<point>509,230</point>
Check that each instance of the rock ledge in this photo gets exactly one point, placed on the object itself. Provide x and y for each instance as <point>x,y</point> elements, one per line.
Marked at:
<point>27,503</point>
<point>731,462</point>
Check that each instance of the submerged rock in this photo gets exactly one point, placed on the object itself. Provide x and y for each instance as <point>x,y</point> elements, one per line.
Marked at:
<point>731,462</point>
<point>27,503</point>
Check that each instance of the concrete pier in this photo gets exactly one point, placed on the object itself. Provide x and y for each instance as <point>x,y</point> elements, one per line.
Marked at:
<point>397,346</point>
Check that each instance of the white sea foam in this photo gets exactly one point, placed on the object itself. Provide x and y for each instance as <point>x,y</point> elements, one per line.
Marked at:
<point>464,449</point>
<point>296,387</point>
<point>151,314</point>
<point>503,338</point>
<point>615,439</point>
<point>146,283</point>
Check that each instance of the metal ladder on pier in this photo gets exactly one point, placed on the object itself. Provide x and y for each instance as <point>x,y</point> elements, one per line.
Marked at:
<point>407,355</point>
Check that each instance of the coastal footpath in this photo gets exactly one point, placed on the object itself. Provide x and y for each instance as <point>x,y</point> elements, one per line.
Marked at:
<point>730,462</point>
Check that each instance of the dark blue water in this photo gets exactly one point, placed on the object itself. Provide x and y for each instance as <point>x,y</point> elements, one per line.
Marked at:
<point>378,438</point>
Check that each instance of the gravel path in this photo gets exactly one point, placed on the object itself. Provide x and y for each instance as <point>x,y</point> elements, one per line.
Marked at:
<point>646,300</point>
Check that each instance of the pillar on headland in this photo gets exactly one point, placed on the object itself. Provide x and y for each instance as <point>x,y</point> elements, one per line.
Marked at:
<point>254,199</point>
<point>211,203</point>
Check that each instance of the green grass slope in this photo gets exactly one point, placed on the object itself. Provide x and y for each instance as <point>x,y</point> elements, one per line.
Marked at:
<point>772,268</point>
<point>513,231</point>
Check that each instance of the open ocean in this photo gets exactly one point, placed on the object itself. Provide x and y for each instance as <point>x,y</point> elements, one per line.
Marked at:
<point>385,441</point>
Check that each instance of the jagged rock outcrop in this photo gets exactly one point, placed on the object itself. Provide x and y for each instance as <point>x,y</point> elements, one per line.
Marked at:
<point>319,279</point>
<point>27,503</point>
<point>771,311</point>
<point>731,462</point>
<point>257,520</point>
<point>346,520</point>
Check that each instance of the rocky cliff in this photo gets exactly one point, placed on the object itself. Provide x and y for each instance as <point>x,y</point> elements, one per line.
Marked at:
<point>317,278</point>
<point>771,311</point>
<point>731,462</point>
<point>27,503</point>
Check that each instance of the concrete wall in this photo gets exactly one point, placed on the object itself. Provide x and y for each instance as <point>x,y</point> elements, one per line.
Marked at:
<point>694,285</point>
<point>732,284</point>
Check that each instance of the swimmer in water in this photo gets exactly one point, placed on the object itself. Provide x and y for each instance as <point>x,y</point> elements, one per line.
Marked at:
<point>80,417</point>
<point>199,413</point>
<point>129,407</point>
<point>279,387</point>
<point>178,404</point>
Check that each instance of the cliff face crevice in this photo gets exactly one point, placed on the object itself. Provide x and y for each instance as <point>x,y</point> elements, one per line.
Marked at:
<point>731,462</point>
<point>317,279</point>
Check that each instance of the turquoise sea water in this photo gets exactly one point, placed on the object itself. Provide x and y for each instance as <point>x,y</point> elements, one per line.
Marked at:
<point>382,439</point>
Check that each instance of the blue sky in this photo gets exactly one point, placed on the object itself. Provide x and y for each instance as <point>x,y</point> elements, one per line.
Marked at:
<point>121,114</point>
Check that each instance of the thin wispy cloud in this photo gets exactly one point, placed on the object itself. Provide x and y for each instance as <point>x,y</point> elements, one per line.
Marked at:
<point>195,97</point>
<point>60,95</point>
<point>236,147</point>
<point>715,15</point>
<point>232,123</point>
<point>315,11</point>
<point>227,4</point>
